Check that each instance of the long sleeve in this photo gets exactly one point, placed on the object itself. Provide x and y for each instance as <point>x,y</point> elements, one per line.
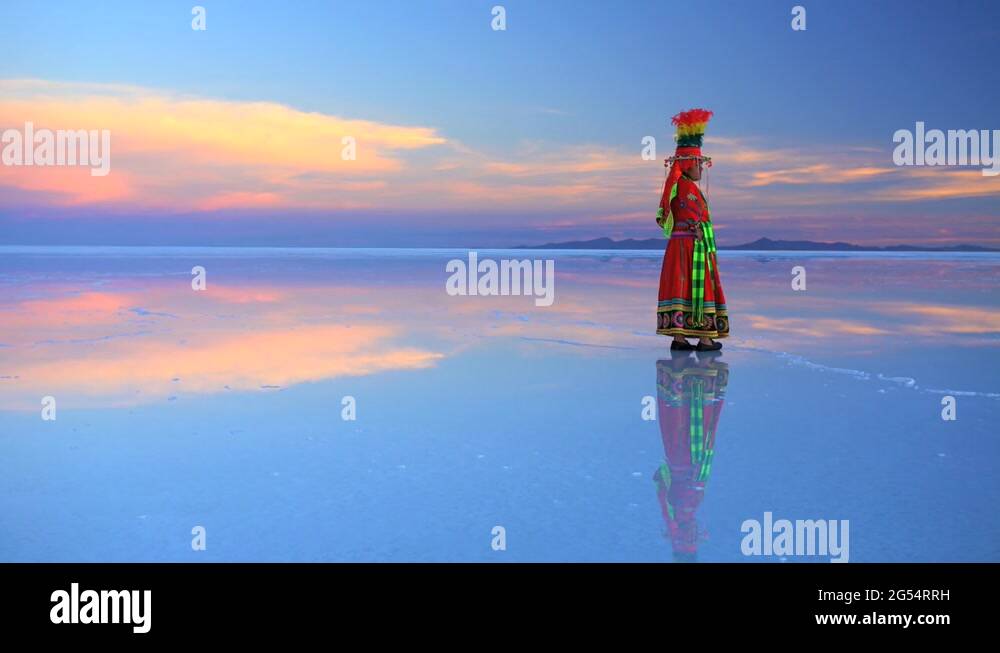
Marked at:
<point>664,214</point>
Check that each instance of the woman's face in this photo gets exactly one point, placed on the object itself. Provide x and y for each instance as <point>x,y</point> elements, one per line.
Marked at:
<point>694,170</point>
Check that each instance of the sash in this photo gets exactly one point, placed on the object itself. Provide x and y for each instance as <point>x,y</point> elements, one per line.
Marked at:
<point>701,258</point>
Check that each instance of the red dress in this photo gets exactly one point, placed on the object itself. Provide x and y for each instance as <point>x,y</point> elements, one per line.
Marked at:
<point>675,313</point>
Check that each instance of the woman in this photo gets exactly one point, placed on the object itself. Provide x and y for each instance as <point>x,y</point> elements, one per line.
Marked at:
<point>691,301</point>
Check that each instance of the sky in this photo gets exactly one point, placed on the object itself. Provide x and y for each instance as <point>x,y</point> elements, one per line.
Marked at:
<point>469,136</point>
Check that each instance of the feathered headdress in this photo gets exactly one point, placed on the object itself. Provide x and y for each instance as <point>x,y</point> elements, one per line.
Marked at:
<point>691,127</point>
<point>690,134</point>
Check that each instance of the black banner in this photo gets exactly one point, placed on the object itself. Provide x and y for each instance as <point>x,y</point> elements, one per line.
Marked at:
<point>140,603</point>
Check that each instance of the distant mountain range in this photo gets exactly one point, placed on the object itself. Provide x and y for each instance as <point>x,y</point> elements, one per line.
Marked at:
<point>761,244</point>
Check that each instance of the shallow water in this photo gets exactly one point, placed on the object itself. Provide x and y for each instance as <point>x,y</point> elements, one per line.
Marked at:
<point>223,408</point>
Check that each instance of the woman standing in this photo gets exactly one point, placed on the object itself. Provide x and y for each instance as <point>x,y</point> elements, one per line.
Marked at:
<point>691,301</point>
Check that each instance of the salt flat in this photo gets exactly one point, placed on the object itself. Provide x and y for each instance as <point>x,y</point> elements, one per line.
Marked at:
<point>224,408</point>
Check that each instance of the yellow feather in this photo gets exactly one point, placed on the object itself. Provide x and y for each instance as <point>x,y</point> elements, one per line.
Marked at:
<point>691,129</point>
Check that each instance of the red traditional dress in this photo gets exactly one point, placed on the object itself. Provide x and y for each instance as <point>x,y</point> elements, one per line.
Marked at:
<point>691,300</point>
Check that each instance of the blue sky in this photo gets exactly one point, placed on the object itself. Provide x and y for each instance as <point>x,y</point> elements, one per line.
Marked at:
<point>562,78</point>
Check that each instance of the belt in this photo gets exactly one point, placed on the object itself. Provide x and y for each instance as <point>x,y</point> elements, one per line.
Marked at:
<point>685,229</point>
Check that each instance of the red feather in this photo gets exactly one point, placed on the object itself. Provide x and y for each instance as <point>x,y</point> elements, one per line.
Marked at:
<point>691,116</point>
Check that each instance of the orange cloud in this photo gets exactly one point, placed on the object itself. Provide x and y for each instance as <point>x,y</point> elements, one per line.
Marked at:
<point>943,183</point>
<point>180,153</point>
<point>169,149</point>
<point>239,200</point>
<point>819,173</point>
<point>69,185</point>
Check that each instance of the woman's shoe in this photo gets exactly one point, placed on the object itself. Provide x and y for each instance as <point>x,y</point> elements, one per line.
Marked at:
<point>681,346</point>
<point>715,346</point>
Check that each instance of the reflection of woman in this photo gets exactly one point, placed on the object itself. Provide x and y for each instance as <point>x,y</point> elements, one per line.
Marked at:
<point>691,301</point>
<point>690,394</point>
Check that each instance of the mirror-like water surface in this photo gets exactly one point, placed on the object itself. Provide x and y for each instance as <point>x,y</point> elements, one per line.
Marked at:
<point>571,426</point>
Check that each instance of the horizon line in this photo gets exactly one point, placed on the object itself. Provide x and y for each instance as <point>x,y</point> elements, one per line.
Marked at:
<point>10,248</point>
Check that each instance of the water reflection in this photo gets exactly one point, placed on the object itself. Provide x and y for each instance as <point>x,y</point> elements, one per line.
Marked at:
<point>118,329</point>
<point>690,395</point>
<point>169,413</point>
